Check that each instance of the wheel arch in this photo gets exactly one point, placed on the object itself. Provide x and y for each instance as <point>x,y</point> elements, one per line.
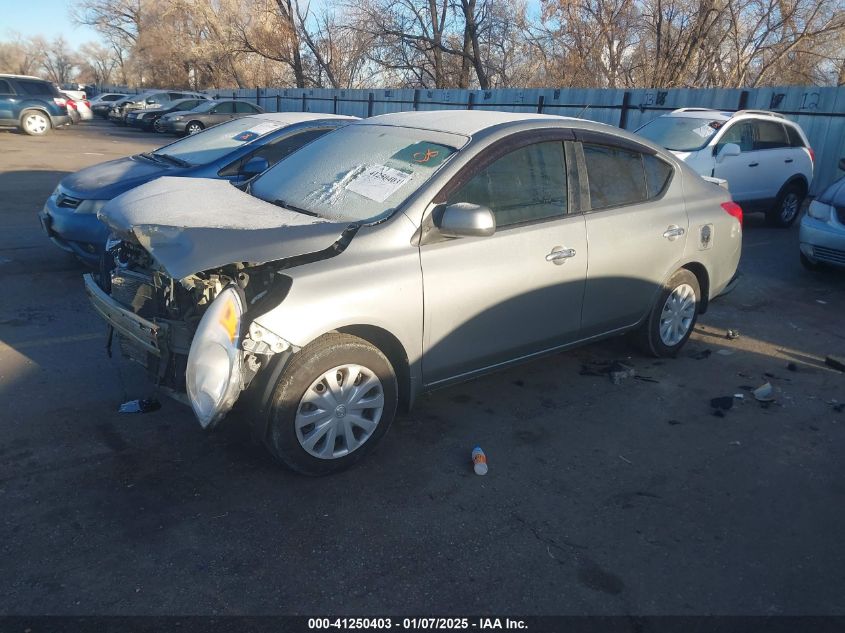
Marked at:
<point>799,179</point>
<point>35,108</point>
<point>700,271</point>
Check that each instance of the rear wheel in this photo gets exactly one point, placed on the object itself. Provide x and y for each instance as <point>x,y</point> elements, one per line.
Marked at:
<point>787,207</point>
<point>35,123</point>
<point>332,405</point>
<point>157,126</point>
<point>194,127</point>
<point>673,316</point>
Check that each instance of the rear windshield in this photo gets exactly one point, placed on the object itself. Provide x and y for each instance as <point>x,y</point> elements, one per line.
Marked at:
<point>680,134</point>
<point>28,87</point>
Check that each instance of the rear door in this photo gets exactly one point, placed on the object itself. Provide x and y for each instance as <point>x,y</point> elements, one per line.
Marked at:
<point>636,226</point>
<point>775,157</point>
<point>220,113</point>
<point>490,300</point>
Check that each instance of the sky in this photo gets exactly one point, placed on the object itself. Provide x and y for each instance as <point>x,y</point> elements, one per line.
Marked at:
<point>49,18</point>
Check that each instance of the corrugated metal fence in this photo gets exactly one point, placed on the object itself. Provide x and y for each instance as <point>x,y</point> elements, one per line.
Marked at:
<point>819,111</point>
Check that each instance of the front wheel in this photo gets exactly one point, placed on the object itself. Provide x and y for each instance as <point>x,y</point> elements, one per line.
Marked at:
<point>332,405</point>
<point>194,127</point>
<point>673,316</point>
<point>35,123</point>
<point>787,207</point>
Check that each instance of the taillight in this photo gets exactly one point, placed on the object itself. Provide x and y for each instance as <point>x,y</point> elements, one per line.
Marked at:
<point>812,155</point>
<point>87,104</point>
<point>59,101</point>
<point>732,208</point>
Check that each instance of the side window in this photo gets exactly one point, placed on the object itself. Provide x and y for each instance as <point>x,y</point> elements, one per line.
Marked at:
<point>527,185</point>
<point>175,95</point>
<point>658,173</point>
<point>242,107</point>
<point>770,135</point>
<point>6,88</point>
<point>187,105</point>
<point>740,133</point>
<point>224,108</point>
<point>275,150</point>
<point>794,137</point>
<point>616,176</point>
<point>34,88</point>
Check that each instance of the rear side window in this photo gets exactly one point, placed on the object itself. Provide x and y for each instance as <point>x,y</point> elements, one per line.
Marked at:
<point>616,176</point>
<point>224,108</point>
<point>770,135</point>
<point>527,185</point>
<point>6,88</point>
<point>243,106</point>
<point>658,173</point>
<point>794,137</point>
<point>37,88</point>
<point>187,105</point>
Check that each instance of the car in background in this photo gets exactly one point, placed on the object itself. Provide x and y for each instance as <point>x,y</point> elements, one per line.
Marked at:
<point>206,115</point>
<point>821,236</point>
<point>101,103</point>
<point>234,151</point>
<point>765,158</point>
<point>148,100</point>
<point>31,104</point>
<point>149,119</point>
<point>403,253</point>
<point>78,103</point>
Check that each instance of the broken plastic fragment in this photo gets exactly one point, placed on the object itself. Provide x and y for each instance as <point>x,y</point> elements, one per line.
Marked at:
<point>764,393</point>
<point>732,334</point>
<point>144,405</point>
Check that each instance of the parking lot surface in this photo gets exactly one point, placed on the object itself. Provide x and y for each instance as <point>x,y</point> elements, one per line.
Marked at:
<point>602,498</point>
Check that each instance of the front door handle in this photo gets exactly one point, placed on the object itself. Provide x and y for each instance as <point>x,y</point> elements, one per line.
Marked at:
<point>753,164</point>
<point>673,232</point>
<point>559,255</point>
<point>788,160</point>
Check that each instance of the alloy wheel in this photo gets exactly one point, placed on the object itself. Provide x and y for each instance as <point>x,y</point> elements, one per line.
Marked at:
<point>789,207</point>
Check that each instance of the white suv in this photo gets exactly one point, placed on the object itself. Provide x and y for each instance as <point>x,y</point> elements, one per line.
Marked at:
<point>765,159</point>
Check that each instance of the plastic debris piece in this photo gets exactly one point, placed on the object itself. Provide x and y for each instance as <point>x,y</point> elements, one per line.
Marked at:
<point>739,396</point>
<point>479,461</point>
<point>837,362</point>
<point>723,403</point>
<point>726,352</point>
<point>144,405</point>
<point>792,367</point>
<point>624,459</point>
<point>821,301</point>
<point>619,372</point>
<point>646,379</point>
<point>736,443</point>
<point>732,335</point>
<point>764,393</point>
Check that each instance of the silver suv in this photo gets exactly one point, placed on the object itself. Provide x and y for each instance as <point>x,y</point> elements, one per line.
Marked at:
<point>402,253</point>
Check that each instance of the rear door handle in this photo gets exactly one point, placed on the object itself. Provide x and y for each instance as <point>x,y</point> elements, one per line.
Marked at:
<point>753,164</point>
<point>559,255</point>
<point>788,160</point>
<point>673,232</point>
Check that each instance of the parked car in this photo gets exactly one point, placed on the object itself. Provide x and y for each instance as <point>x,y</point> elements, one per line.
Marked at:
<point>234,152</point>
<point>73,111</point>
<point>765,158</point>
<point>101,103</point>
<point>79,103</point>
<point>402,253</point>
<point>148,100</point>
<point>206,115</point>
<point>822,232</point>
<point>149,119</point>
<point>31,104</point>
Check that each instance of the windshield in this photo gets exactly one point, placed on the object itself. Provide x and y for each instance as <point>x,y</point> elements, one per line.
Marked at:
<point>680,134</point>
<point>358,173</point>
<point>218,141</point>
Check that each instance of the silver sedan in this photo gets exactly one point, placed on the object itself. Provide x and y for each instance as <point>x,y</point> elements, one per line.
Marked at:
<point>403,253</point>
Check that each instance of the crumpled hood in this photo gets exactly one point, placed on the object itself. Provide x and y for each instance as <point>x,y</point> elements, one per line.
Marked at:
<point>834,194</point>
<point>110,179</point>
<point>189,225</point>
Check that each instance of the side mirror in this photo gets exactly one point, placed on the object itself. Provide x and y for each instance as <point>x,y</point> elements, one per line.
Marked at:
<point>464,219</point>
<point>255,165</point>
<point>729,149</point>
<point>842,164</point>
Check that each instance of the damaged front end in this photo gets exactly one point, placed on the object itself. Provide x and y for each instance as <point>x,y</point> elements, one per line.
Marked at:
<point>196,336</point>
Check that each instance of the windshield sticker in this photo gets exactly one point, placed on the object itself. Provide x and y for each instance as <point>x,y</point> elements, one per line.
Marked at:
<point>378,182</point>
<point>426,154</point>
<point>255,131</point>
<point>704,131</point>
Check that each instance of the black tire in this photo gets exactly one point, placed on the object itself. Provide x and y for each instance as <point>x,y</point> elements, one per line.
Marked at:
<point>787,207</point>
<point>315,359</point>
<point>27,123</point>
<point>808,264</point>
<point>648,337</point>
<point>196,126</point>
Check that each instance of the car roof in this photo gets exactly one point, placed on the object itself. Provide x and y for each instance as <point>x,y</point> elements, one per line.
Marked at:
<point>289,118</point>
<point>464,122</point>
<point>12,76</point>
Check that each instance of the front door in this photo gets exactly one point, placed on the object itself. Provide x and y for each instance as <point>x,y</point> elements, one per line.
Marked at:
<point>743,172</point>
<point>492,299</point>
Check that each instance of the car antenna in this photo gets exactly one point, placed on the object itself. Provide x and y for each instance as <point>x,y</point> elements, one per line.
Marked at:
<point>583,110</point>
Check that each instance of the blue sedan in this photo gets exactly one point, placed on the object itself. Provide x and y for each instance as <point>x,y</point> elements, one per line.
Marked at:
<point>822,234</point>
<point>236,151</point>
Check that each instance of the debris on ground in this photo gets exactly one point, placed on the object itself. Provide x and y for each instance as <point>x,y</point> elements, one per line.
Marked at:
<point>821,301</point>
<point>627,461</point>
<point>732,335</point>
<point>143,405</point>
<point>616,370</point>
<point>479,461</point>
<point>619,372</point>
<point>736,443</point>
<point>837,362</point>
<point>726,352</point>
<point>723,402</point>
<point>839,408</point>
<point>792,367</point>
<point>646,379</point>
<point>764,393</point>
<point>739,396</point>
<point>701,355</point>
